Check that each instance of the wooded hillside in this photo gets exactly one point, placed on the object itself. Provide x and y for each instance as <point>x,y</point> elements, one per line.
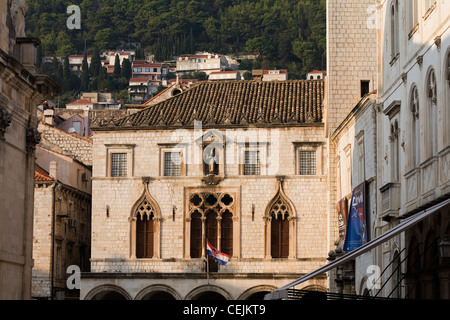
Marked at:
<point>285,33</point>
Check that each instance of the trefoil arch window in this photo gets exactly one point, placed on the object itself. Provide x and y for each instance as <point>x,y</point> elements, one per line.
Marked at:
<point>213,216</point>
<point>280,229</point>
<point>145,223</point>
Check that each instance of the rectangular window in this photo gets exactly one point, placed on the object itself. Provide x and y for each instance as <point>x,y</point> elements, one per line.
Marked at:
<point>252,165</point>
<point>307,162</point>
<point>172,164</point>
<point>365,87</point>
<point>118,165</point>
<point>77,126</point>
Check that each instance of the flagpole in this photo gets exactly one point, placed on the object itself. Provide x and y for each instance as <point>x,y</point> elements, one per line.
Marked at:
<point>207,260</point>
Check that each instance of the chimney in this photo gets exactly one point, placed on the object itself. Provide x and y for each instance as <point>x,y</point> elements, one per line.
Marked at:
<point>49,115</point>
<point>53,171</point>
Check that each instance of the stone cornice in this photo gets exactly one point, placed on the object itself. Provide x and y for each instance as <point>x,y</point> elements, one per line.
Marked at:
<point>5,121</point>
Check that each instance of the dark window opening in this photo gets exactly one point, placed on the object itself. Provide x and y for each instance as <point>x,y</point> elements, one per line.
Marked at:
<point>365,88</point>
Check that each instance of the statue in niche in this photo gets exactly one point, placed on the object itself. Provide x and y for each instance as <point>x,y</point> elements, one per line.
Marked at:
<point>211,160</point>
<point>18,11</point>
<point>211,167</point>
<point>212,155</point>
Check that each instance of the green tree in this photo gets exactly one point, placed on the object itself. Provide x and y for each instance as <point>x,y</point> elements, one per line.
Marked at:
<point>260,46</point>
<point>64,45</point>
<point>248,75</point>
<point>126,71</point>
<point>117,69</point>
<point>96,63</point>
<point>105,39</point>
<point>85,77</point>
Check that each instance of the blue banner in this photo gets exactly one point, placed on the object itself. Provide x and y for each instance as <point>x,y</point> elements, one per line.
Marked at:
<point>356,234</point>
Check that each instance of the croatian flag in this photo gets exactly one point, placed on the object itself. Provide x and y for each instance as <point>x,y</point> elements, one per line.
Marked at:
<point>220,257</point>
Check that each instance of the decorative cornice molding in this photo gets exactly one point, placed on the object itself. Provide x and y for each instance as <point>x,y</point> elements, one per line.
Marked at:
<point>5,121</point>
<point>437,42</point>
<point>33,137</point>
<point>420,61</point>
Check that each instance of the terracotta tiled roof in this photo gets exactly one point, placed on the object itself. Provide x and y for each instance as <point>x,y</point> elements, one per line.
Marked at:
<point>139,80</point>
<point>232,103</point>
<point>80,101</point>
<point>40,174</point>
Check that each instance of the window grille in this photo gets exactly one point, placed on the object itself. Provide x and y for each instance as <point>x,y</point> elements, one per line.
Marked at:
<point>251,163</point>
<point>307,162</point>
<point>118,165</point>
<point>172,164</point>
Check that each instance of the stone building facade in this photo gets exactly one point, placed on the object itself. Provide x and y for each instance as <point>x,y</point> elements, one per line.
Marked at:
<point>414,145</point>
<point>21,91</point>
<point>62,209</point>
<point>240,164</point>
<point>62,224</point>
<point>395,139</point>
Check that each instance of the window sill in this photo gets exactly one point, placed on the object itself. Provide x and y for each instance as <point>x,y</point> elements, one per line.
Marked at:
<point>429,11</point>
<point>394,59</point>
<point>413,31</point>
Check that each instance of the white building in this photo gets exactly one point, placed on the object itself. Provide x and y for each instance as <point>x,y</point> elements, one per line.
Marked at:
<point>224,75</point>
<point>316,74</point>
<point>202,63</point>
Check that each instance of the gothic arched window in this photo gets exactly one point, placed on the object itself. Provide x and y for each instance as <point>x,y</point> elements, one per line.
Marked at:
<point>280,226</point>
<point>431,127</point>
<point>212,216</point>
<point>145,227</point>
<point>394,29</point>
<point>196,235</point>
<point>279,230</point>
<point>447,99</point>
<point>415,126</point>
<point>226,238</point>
<point>144,231</point>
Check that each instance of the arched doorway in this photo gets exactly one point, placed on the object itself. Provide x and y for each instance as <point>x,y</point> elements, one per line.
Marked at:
<point>158,295</point>
<point>108,295</point>
<point>209,295</point>
<point>158,292</point>
<point>208,292</point>
<point>257,296</point>
<point>256,293</point>
<point>107,292</point>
